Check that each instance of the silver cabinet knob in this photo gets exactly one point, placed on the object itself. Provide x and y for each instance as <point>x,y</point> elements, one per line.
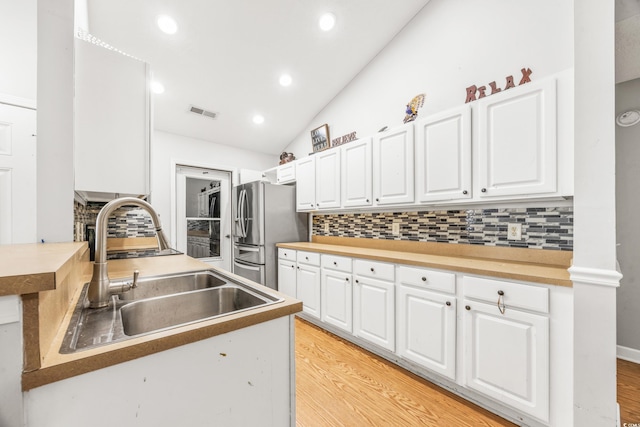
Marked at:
<point>484,190</point>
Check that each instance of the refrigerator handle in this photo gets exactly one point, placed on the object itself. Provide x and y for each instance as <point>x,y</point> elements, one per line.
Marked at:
<point>241,197</point>
<point>245,211</point>
<point>245,266</point>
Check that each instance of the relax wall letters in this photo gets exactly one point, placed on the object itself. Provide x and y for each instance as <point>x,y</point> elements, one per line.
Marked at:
<point>481,91</point>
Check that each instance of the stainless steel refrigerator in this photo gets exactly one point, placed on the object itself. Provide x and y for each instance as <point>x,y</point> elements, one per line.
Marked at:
<point>264,214</point>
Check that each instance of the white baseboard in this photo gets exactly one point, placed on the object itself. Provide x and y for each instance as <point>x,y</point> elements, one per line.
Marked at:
<point>630,354</point>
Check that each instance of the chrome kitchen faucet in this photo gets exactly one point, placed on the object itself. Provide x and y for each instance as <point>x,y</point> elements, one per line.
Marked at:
<point>100,287</point>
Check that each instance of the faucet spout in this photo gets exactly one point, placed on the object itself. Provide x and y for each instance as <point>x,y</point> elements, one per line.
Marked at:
<point>100,289</point>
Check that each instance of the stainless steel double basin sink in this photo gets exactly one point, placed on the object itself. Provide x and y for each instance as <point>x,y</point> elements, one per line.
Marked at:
<point>159,303</point>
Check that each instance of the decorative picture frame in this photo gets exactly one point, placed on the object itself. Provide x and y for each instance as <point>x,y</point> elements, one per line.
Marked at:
<point>320,138</point>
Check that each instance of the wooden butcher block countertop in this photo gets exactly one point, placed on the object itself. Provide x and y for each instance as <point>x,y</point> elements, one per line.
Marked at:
<point>50,277</point>
<point>530,265</point>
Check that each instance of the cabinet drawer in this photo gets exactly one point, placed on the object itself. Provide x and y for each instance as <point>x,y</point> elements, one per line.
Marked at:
<point>289,254</point>
<point>374,269</point>
<point>311,258</point>
<point>427,279</point>
<point>338,263</point>
<point>514,295</point>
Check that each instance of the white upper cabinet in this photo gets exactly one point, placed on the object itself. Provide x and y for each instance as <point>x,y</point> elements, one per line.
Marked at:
<point>111,121</point>
<point>443,156</point>
<point>356,174</point>
<point>306,184</point>
<point>516,144</point>
<point>393,179</point>
<point>328,179</point>
<point>506,146</point>
<point>286,173</point>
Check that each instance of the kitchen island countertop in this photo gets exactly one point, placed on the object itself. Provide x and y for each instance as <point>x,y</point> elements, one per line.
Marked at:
<point>49,279</point>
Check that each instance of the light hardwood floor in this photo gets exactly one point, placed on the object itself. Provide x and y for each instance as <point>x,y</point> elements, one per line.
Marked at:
<point>340,384</point>
<point>629,392</point>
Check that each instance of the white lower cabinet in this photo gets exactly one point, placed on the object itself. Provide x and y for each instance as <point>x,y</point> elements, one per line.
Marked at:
<point>287,277</point>
<point>287,272</point>
<point>308,282</point>
<point>426,320</point>
<point>336,292</point>
<point>506,352</point>
<point>374,303</point>
<point>502,339</point>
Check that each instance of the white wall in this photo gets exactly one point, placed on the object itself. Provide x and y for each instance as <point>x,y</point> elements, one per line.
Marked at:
<point>167,147</point>
<point>11,412</point>
<point>628,204</point>
<point>55,121</point>
<point>593,271</point>
<point>19,49</point>
<point>448,46</point>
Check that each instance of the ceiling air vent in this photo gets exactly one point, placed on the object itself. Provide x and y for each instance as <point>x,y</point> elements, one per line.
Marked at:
<point>203,112</point>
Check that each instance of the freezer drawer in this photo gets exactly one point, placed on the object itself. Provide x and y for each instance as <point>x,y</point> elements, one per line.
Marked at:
<point>249,254</point>
<point>249,271</point>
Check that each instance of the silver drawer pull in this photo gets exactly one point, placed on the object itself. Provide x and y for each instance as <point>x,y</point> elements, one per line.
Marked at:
<point>501,305</point>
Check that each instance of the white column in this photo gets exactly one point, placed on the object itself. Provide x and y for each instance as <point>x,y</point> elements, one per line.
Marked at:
<point>55,121</point>
<point>594,274</point>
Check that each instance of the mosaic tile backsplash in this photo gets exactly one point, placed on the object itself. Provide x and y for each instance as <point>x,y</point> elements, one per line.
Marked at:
<point>542,228</point>
<point>125,221</point>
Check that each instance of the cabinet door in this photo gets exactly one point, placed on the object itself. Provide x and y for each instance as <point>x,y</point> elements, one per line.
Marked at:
<point>427,329</point>
<point>287,277</point>
<point>328,179</point>
<point>517,141</point>
<point>356,174</point>
<point>111,121</point>
<point>443,156</point>
<point>308,289</point>
<point>286,173</point>
<point>393,180</point>
<point>306,184</point>
<point>374,312</point>
<point>507,356</point>
<point>336,299</point>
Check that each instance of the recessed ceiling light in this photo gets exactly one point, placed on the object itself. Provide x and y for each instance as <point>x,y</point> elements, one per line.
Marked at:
<point>285,80</point>
<point>167,24</point>
<point>157,87</point>
<point>327,21</point>
<point>258,119</point>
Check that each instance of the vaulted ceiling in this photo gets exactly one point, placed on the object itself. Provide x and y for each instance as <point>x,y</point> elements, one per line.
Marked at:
<point>227,57</point>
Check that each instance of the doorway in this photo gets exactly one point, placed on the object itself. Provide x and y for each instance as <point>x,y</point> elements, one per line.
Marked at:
<point>203,214</point>
<point>17,174</point>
